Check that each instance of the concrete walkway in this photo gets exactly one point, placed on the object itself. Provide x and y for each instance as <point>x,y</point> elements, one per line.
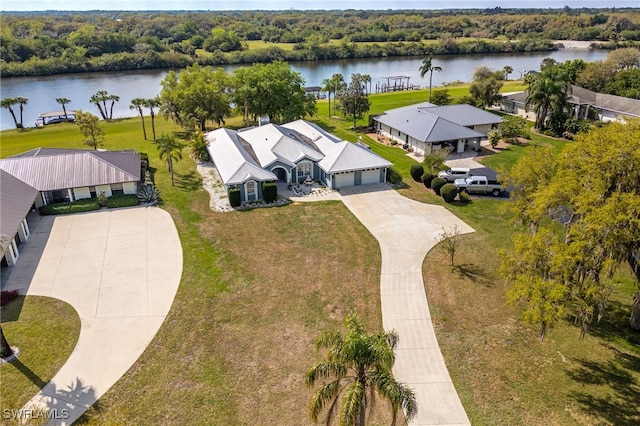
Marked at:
<point>406,231</point>
<point>120,270</point>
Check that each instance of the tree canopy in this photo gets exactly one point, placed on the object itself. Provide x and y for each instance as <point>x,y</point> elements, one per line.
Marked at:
<point>353,99</point>
<point>486,86</point>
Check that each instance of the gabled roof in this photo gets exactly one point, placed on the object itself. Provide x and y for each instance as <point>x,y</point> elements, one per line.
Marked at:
<point>464,114</point>
<point>411,107</point>
<point>347,156</point>
<point>17,198</point>
<point>233,162</point>
<point>322,140</point>
<point>50,169</point>
<point>425,126</point>
<point>272,142</point>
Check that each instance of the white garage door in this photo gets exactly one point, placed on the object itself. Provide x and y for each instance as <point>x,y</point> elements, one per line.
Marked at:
<point>370,176</point>
<point>341,180</point>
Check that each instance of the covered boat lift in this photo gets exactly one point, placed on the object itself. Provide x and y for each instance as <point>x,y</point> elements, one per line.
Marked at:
<point>55,117</point>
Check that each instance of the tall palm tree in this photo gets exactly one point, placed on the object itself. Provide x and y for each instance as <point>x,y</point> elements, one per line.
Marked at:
<point>22,101</point>
<point>113,99</point>
<point>507,70</point>
<point>360,365</point>
<point>366,79</point>
<point>338,86</point>
<point>328,85</point>
<point>8,103</point>
<point>100,100</point>
<point>137,104</point>
<point>151,104</point>
<point>547,91</point>
<point>63,102</point>
<point>170,150</point>
<point>428,67</point>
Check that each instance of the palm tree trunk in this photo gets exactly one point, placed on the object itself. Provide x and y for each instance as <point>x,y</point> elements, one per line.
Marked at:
<point>5,349</point>
<point>153,125</point>
<point>430,80</point>
<point>65,112</point>
<point>171,170</point>
<point>111,111</point>
<point>13,114</point>
<point>21,109</point>
<point>144,129</point>
<point>329,104</point>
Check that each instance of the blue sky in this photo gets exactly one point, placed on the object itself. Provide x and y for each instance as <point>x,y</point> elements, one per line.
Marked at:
<point>35,5</point>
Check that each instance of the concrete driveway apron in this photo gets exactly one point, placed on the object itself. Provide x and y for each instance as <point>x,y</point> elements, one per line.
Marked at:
<point>120,270</point>
<point>406,231</point>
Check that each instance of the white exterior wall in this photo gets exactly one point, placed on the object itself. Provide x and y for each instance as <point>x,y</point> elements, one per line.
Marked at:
<point>129,188</point>
<point>104,188</point>
<point>482,128</point>
<point>81,193</point>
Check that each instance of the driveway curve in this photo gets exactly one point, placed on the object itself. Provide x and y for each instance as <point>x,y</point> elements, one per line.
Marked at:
<point>120,269</point>
<point>406,230</point>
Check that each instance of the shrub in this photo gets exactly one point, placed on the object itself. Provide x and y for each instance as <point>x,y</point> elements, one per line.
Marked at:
<point>102,199</point>
<point>494,136</point>
<point>394,142</point>
<point>234,197</point>
<point>416,172</point>
<point>464,197</point>
<point>438,183</point>
<point>269,192</point>
<point>7,296</point>
<point>449,192</point>
<point>393,176</point>
<point>427,178</point>
<point>85,205</point>
<point>148,194</point>
<point>125,200</point>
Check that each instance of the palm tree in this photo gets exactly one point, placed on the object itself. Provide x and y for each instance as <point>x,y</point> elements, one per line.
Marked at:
<point>169,150</point>
<point>361,367</point>
<point>507,70</point>
<point>151,104</point>
<point>8,103</point>
<point>138,103</point>
<point>547,91</point>
<point>100,100</point>
<point>63,102</point>
<point>22,101</point>
<point>328,85</point>
<point>338,86</point>
<point>366,78</point>
<point>428,67</point>
<point>113,99</point>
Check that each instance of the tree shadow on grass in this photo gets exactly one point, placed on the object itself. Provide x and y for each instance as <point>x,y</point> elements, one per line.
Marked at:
<point>611,391</point>
<point>614,325</point>
<point>191,181</point>
<point>473,273</point>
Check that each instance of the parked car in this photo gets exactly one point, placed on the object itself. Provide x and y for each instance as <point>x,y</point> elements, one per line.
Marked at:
<point>479,185</point>
<point>455,173</point>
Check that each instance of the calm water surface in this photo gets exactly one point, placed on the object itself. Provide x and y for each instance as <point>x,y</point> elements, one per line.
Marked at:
<point>43,91</point>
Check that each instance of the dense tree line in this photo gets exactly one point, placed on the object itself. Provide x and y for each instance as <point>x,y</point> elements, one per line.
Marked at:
<point>49,43</point>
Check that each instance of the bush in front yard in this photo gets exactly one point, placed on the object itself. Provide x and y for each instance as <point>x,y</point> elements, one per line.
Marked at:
<point>427,178</point>
<point>85,205</point>
<point>464,197</point>
<point>234,197</point>
<point>449,192</point>
<point>393,176</point>
<point>416,172</point>
<point>269,192</point>
<point>126,200</point>
<point>438,183</point>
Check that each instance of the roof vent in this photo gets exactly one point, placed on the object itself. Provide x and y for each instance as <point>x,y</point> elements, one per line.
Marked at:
<point>263,119</point>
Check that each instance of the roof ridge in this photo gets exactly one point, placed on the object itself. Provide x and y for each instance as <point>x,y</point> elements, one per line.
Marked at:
<point>92,153</point>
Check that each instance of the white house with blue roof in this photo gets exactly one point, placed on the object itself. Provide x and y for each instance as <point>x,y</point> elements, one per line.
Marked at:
<point>425,127</point>
<point>291,153</point>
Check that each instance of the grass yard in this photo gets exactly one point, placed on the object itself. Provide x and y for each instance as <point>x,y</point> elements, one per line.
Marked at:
<point>45,331</point>
<point>259,285</point>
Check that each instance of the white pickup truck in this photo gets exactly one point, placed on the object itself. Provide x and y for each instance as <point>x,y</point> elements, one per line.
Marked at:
<point>455,173</point>
<point>479,185</point>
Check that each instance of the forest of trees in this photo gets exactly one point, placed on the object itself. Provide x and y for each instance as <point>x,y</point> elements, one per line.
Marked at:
<point>63,42</point>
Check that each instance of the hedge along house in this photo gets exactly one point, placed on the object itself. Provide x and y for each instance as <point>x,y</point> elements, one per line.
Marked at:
<point>584,103</point>
<point>290,153</point>
<point>48,175</point>
<point>425,127</point>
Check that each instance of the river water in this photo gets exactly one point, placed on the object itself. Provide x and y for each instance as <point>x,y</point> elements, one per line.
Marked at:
<point>42,92</point>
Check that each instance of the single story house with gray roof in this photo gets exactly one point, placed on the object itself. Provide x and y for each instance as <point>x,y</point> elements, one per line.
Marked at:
<point>292,153</point>
<point>48,175</point>
<point>424,127</point>
<point>585,104</point>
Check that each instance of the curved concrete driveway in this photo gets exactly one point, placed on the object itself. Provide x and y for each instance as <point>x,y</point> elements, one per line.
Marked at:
<point>120,269</point>
<point>406,231</point>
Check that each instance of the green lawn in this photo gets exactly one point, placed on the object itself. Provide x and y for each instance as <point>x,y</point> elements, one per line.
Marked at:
<point>45,331</point>
<point>259,285</point>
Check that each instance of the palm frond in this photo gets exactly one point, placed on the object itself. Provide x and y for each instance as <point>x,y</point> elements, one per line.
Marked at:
<point>399,394</point>
<point>324,394</point>
<point>352,402</point>
<point>325,370</point>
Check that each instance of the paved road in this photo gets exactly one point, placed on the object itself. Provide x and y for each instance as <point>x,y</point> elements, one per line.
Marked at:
<point>120,269</point>
<point>406,231</point>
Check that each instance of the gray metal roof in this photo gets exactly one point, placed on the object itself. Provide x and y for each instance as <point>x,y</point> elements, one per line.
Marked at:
<point>464,115</point>
<point>16,200</point>
<point>61,170</point>
<point>346,156</point>
<point>232,160</point>
<point>411,107</point>
<point>425,126</point>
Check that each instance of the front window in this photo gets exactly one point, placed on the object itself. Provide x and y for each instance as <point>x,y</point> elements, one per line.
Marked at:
<point>304,170</point>
<point>251,190</point>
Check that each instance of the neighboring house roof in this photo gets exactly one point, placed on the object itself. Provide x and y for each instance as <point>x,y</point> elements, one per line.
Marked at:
<point>48,170</point>
<point>465,115</point>
<point>347,156</point>
<point>272,143</point>
<point>17,199</point>
<point>425,126</point>
<point>234,163</point>
<point>411,107</point>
